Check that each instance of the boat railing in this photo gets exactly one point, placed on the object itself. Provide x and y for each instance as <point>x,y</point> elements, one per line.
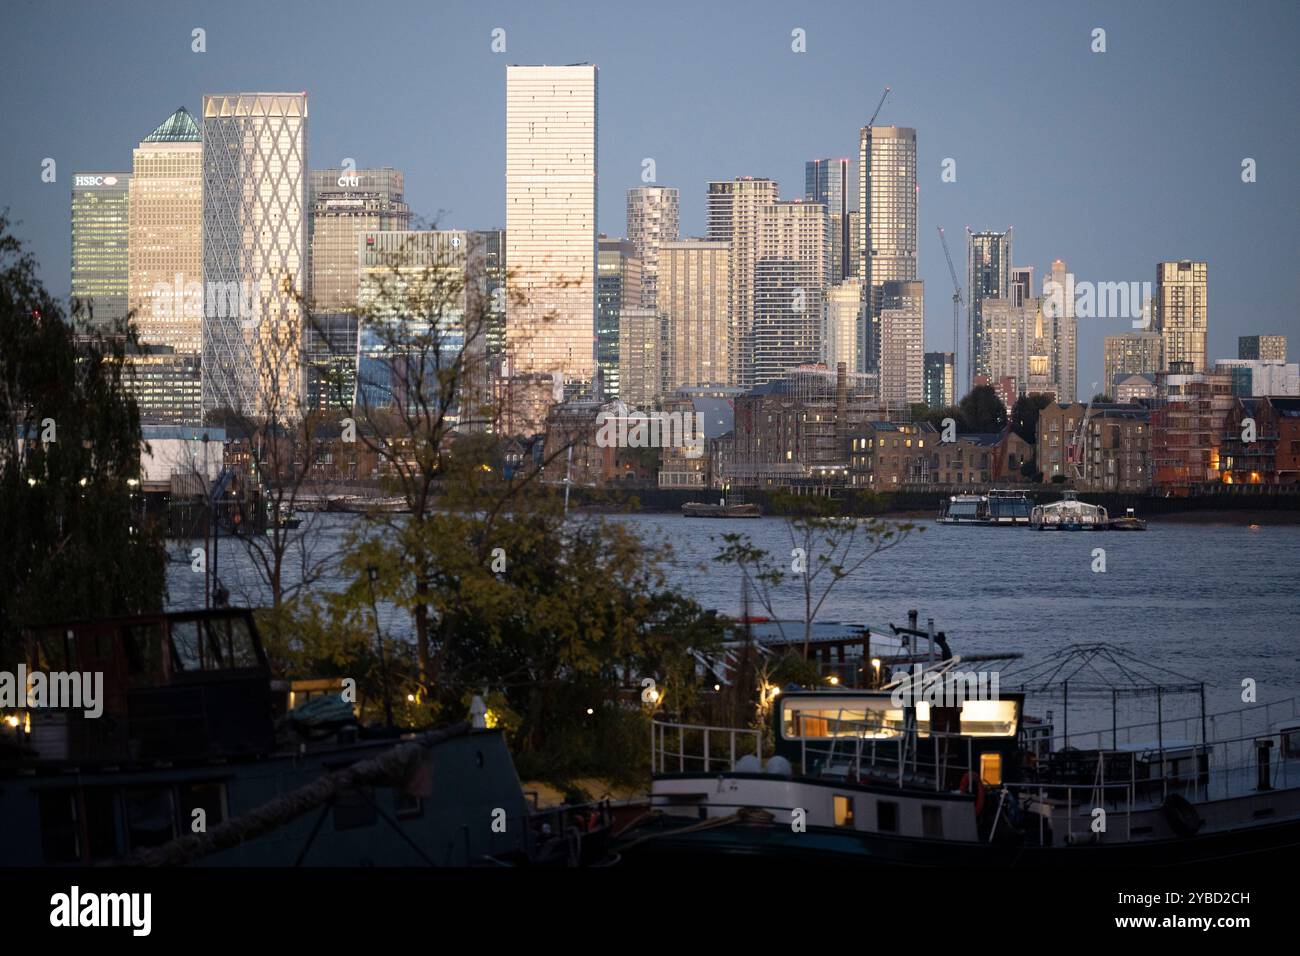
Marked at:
<point>700,747</point>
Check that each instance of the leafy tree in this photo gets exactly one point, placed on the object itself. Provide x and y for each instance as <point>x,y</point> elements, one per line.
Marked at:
<point>74,542</point>
<point>1024,415</point>
<point>982,410</point>
<point>1101,398</point>
<point>825,548</point>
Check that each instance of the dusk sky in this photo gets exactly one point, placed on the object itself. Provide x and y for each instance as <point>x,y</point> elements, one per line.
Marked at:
<point>1110,161</point>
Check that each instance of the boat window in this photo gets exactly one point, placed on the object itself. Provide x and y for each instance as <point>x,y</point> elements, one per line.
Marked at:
<point>1291,742</point>
<point>886,816</point>
<point>841,717</point>
<point>101,823</point>
<point>215,644</point>
<point>988,718</point>
<point>843,810</point>
<point>59,826</point>
<point>143,644</point>
<point>208,797</point>
<point>991,769</point>
<point>150,816</point>
<point>187,650</point>
<point>931,820</point>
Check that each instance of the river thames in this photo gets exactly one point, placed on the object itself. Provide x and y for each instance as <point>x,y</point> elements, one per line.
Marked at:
<point>1218,603</point>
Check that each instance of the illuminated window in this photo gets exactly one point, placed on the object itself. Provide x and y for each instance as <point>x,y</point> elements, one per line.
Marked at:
<point>843,811</point>
<point>991,769</point>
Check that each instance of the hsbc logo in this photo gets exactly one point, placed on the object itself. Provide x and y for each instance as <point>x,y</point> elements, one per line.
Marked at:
<point>95,180</point>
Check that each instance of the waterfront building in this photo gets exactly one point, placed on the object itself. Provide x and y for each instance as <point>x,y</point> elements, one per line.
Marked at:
<point>902,344</point>
<point>790,282</point>
<point>640,357</point>
<point>653,218</point>
<point>1273,458</point>
<point>551,189</point>
<point>884,455</point>
<point>887,202</point>
<point>1180,312</point>
<point>100,239</point>
<point>619,285</point>
<point>1131,353</point>
<point>694,291</point>
<point>1256,377</point>
<point>988,277</point>
<point>734,218</point>
<point>979,458</point>
<point>1262,347</point>
<point>1186,427</point>
<point>940,380</point>
<point>1114,453</point>
<point>255,232</point>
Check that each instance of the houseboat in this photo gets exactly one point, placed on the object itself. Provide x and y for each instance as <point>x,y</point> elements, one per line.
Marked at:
<point>1069,514</point>
<point>1129,522</point>
<point>899,774</point>
<point>201,755</point>
<point>1000,508</point>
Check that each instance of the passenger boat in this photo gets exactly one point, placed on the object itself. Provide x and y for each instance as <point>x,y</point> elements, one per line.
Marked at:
<point>195,729</point>
<point>1129,522</point>
<point>895,774</point>
<point>1001,508</point>
<point>1069,514</point>
<point>729,507</point>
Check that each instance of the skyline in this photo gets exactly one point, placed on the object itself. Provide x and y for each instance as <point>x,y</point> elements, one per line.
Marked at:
<point>1038,171</point>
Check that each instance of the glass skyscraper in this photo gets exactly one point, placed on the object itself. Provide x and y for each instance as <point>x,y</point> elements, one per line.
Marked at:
<point>100,232</point>
<point>988,276</point>
<point>887,196</point>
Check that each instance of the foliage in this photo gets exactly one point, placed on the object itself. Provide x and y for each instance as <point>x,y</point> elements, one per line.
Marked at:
<point>74,544</point>
<point>1024,416</point>
<point>982,410</point>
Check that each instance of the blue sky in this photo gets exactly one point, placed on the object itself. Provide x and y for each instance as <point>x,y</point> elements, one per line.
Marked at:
<point>1111,161</point>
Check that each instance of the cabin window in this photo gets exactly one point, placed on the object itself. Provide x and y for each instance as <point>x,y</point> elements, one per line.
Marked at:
<point>991,769</point>
<point>100,805</point>
<point>931,820</point>
<point>988,718</point>
<point>354,808</point>
<point>1291,742</point>
<point>871,718</point>
<point>59,826</point>
<point>142,645</point>
<point>886,816</point>
<point>150,816</point>
<point>843,811</point>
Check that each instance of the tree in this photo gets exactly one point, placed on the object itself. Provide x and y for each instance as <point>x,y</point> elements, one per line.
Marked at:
<point>825,548</point>
<point>1101,398</point>
<point>1024,416</point>
<point>74,542</point>
<point>982,410</point>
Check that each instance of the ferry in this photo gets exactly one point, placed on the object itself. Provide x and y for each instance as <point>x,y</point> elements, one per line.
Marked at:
<point>894,774</point>
<point>1001,508</point>
<point>1069,514</point>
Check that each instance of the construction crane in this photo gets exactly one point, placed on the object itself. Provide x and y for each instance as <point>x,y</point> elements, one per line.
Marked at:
<point>872,121</point>
<point>956,305</point>
<point>1078,442</point>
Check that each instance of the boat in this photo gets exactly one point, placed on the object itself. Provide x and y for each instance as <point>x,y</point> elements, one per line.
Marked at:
<point>899,773</point>
<point>730,507</point>
<point>999,507</point>
<point>201,755</point>
<point>1069,514</point>
<point>1129,522</point>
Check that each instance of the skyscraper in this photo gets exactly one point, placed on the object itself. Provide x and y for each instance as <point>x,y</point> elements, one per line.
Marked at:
<point>551,169</point>
<point>100,234</point>
<point>902,343</point>
<point>1059,309</point>
<point>1131,353</point>
<point>733,210</point>
<point>790,282</point>
<point>653,218</point>
<point>887,196</point>
<point>619,284</point>
<point>843,325</point>
<point>694,286</point>
<point>988,276</point>
<point>1271,348</point>
<point>640,348</point>
<point>345,204</point>
<point>164,288</point>
<point>826,181</point>
<point>255,252</point>
<point>940,379</point>
<point>1180,312</point>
